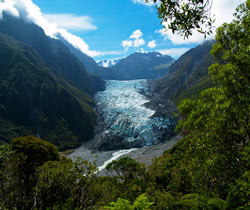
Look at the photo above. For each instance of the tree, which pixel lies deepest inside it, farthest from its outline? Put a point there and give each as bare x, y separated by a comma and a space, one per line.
19, 163
217, 125
65, 184
141, 203
184, 16
129, 176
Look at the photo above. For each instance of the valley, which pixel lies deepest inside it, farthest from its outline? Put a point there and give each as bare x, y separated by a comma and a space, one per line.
124, 122
104, 110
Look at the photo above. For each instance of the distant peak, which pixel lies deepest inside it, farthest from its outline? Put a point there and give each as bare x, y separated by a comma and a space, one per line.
107, 63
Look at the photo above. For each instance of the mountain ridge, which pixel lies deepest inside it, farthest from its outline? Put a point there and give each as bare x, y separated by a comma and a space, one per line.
40, 95
187, 76
142, 66
56, 55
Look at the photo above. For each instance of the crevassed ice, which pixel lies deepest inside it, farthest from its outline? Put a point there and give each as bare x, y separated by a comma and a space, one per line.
121, 105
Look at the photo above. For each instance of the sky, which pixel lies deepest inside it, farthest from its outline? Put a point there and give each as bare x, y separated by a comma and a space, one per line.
111, 29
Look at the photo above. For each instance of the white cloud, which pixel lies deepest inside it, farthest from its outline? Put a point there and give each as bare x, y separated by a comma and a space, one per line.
222, 11
139, 42
178, 39
30, 12
8, 6
127, 43
135, 40
77, 42
173, 52
71, 21
152, 44
137, 34
149, 3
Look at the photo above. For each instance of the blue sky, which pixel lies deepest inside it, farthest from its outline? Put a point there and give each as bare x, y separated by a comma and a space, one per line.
110, 29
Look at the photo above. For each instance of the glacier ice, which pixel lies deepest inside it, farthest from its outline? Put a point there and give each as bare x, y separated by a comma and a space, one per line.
122, 108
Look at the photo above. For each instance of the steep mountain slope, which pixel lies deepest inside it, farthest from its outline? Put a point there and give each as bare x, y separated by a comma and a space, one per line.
187, 76
142, 66
89, 63
33, 100
56, 55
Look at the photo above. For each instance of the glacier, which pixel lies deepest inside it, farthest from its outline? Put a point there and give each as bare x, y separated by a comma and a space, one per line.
125, 116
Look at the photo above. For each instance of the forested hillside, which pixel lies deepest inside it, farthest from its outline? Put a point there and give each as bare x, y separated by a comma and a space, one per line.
188, 76
53, 52
208, 169
35, 101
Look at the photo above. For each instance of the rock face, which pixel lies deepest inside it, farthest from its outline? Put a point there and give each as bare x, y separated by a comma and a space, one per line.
150, 65
124, 121
188, 76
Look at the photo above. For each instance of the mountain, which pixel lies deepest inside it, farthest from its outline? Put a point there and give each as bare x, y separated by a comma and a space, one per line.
108, 63
188, 76
89, 63
136, 66
150, 65
55, 54
35, 101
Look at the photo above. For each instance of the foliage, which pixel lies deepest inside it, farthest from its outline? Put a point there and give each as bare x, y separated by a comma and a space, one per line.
129, 176
216, 126
141, 203
18, 167
34, 101
62, 181
208, 169
126, 168
185, 16
238, 198
35, 150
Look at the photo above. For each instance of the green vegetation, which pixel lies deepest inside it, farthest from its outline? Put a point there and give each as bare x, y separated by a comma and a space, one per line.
188, 76
52, 52
208, 169
34, 101
185, 16
194, 91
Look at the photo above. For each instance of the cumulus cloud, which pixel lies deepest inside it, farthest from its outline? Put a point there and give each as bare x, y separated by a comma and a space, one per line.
135, 40
71, 21
152, 44
30, 12
8, 6
173, 52
150, 3
178, 39
222, 11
